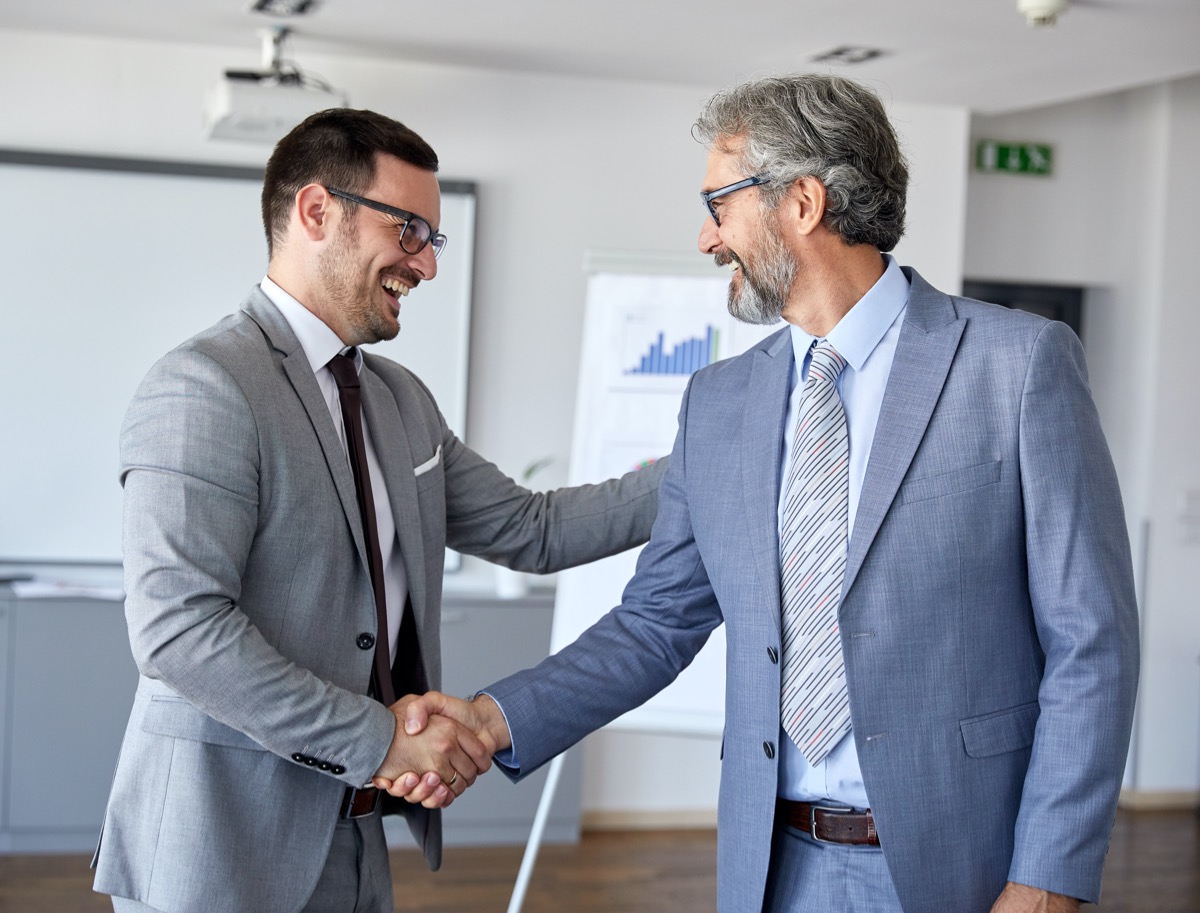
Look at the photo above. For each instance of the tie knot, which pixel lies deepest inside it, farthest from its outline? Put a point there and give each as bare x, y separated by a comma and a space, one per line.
343, 369
826, 363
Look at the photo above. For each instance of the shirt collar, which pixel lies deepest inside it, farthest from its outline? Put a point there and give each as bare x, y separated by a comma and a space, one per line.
319, 342
860, 330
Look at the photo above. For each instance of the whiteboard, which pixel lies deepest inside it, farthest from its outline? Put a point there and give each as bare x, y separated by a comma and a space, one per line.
107, 265
649, 324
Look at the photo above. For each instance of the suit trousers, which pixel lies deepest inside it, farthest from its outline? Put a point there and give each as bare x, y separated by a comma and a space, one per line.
356, 877
806, 876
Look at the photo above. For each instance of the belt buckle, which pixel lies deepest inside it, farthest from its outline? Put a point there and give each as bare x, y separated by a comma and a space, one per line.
812, 817
352, 794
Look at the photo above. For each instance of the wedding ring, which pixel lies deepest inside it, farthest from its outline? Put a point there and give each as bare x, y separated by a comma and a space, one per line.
453, 779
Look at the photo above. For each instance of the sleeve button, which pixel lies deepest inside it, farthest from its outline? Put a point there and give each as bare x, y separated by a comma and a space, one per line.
337, 770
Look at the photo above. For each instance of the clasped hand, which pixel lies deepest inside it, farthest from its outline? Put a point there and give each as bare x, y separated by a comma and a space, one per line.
441, 746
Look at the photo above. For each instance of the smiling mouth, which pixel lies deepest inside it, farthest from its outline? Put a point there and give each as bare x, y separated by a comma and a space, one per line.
395, 288
729, 259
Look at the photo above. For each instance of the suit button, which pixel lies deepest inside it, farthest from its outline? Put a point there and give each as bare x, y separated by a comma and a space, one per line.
365, 641
773, 654
769, 749
298, 758
337, 770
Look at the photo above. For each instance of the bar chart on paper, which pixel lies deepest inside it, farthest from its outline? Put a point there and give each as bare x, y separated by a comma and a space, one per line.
684, 357
644, 338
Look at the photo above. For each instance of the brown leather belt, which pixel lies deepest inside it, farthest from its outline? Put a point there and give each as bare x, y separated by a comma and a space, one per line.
358, 803
828, 823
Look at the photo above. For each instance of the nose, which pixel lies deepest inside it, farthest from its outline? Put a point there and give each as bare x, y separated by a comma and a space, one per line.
424, 263
709, 239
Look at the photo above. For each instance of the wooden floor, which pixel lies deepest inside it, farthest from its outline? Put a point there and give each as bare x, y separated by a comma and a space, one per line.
1153, 867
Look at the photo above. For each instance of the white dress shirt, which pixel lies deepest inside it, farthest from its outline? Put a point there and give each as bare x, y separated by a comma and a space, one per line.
866, 337
321, 344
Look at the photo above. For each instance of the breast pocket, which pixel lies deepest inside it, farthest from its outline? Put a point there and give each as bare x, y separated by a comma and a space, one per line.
950, 482
430, 473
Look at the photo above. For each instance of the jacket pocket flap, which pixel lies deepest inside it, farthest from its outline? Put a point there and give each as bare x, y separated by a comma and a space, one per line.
951, 482
997, 733
181, 720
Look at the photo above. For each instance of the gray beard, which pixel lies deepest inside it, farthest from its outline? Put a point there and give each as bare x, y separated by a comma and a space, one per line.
764, 288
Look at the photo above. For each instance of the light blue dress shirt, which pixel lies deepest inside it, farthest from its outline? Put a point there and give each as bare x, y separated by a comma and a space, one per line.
866, 337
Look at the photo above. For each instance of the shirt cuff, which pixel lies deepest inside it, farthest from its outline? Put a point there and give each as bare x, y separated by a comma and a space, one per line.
508, 756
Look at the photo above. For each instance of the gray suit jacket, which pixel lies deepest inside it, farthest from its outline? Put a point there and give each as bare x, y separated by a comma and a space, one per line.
247, 587
987, 618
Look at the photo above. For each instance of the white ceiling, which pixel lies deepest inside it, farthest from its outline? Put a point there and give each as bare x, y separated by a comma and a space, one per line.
980, 54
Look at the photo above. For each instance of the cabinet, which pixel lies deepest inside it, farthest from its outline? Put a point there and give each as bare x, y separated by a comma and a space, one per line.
68, 682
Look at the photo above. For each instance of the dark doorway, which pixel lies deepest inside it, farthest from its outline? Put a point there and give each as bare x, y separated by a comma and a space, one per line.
1057, 302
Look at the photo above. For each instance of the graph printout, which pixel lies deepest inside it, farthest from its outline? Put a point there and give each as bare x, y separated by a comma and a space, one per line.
644, 336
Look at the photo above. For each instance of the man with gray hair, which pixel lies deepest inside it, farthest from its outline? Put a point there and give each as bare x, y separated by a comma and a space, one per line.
904, 511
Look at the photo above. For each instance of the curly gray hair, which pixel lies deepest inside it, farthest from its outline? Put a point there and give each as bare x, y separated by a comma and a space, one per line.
827, 127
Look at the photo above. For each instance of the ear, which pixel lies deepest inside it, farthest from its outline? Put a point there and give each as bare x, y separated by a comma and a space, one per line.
804, 205
314, 212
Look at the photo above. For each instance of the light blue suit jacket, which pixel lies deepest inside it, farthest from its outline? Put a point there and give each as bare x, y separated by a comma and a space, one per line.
988, 617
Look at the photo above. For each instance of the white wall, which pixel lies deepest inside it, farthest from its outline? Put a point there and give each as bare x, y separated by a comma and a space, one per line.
1119, 217
563, 166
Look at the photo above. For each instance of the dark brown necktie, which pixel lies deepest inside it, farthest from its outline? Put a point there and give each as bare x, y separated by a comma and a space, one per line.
344, 372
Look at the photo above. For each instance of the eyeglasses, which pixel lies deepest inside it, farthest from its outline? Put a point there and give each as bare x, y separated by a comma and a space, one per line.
709, 195
417, 232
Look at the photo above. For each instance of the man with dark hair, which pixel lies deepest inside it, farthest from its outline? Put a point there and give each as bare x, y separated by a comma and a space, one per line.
903, 509
288, 503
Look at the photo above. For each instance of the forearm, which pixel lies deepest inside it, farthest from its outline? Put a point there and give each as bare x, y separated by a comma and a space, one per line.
489, 515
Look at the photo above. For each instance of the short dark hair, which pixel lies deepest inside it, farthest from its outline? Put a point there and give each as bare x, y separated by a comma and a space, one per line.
827, 127
336, 148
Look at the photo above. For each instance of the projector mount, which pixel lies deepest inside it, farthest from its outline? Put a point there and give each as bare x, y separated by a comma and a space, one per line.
276, 71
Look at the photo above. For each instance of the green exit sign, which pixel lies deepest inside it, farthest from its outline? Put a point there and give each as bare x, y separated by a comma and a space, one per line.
1014, 158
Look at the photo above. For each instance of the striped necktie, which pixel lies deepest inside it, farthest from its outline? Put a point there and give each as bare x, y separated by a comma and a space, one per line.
815, 708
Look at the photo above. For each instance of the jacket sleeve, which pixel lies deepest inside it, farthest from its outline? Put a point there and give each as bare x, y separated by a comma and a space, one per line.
491, 516
666, 615
1081, 588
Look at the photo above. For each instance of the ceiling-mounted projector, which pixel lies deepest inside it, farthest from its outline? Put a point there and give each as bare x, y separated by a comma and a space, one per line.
262, 111
260, 106
1039, 13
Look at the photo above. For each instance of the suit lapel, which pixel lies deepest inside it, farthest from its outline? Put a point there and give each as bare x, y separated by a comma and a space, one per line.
393, 448
928, 340
766, 408
300, 374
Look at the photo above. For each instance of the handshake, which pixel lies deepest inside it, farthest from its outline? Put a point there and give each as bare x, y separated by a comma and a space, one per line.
440, 746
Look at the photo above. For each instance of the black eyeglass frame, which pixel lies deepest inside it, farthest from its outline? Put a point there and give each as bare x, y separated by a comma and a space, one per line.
707, 196
412, 223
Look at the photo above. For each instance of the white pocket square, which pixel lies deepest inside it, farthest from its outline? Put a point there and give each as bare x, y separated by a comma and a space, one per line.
429, 463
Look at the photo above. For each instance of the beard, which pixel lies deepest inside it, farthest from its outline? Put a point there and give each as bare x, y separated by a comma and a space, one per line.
766, 281
354, 296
